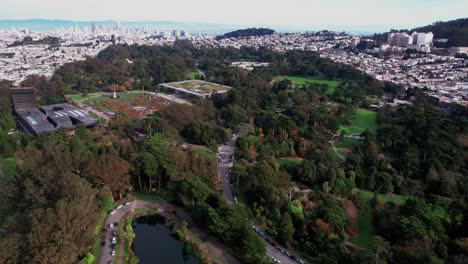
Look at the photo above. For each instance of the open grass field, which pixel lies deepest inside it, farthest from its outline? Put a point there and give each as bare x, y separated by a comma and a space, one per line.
8, 166
298, 81
363, 119
99, 97
333, 153
346, 142
365, 228
368, 195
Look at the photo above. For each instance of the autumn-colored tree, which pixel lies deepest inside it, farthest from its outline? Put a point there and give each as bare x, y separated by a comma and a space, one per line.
112, 172
252, 152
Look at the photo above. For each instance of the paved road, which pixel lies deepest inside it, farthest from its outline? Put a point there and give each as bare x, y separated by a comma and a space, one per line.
106, 256
225, 155
225, 160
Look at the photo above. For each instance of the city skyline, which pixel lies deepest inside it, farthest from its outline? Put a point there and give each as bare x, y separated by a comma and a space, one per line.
298, 14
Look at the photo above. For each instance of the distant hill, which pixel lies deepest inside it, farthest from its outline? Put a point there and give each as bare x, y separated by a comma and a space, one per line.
456, 31
52, 41
249, 32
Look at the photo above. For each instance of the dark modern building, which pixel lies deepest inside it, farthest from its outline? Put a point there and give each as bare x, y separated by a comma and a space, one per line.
49, 117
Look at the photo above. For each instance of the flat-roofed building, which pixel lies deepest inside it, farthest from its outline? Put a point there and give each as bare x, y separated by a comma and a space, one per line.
49, 118
34, 122
66, 115
196, 88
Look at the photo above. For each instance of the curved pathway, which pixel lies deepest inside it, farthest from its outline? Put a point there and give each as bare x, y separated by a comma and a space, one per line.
162, 207
332, 143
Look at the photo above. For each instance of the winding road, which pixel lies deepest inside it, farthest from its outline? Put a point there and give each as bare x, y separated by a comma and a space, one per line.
225, 160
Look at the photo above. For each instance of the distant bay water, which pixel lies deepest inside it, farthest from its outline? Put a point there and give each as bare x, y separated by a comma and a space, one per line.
43, 25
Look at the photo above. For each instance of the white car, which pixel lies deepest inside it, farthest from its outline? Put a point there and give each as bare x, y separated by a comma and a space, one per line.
114, 240
275, 260
118, 207
113, 253
128, 203
111, 225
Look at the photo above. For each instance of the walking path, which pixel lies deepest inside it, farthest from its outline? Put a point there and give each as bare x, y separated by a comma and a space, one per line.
332, 143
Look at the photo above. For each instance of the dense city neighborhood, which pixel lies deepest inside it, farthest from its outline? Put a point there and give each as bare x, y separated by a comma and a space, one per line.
439, 70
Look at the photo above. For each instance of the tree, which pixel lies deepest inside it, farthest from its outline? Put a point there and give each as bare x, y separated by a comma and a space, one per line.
10, 248
110, 171
295, 209
155, 158
194, 191
55, 210
285, 229
380, 251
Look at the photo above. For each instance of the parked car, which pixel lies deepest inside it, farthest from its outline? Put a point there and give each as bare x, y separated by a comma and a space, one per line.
118, 207
113, 253
113, 212
275, 260
128, 203
111, 225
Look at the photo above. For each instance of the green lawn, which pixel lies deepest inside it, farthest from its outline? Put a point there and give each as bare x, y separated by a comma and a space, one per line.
363, 119
347, 143
298, 81
8, 166
368, 195
97, 97
194, 75
333, 153
203, 150
366, 230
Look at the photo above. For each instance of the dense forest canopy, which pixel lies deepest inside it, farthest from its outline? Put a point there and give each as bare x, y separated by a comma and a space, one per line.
249, 32
408, 174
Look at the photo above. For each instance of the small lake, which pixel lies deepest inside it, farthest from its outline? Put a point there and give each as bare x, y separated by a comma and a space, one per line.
154, 243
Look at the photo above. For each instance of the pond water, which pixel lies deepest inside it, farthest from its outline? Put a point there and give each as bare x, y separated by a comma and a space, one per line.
154, 243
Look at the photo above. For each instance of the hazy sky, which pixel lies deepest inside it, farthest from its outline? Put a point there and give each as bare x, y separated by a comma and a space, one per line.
388, 13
